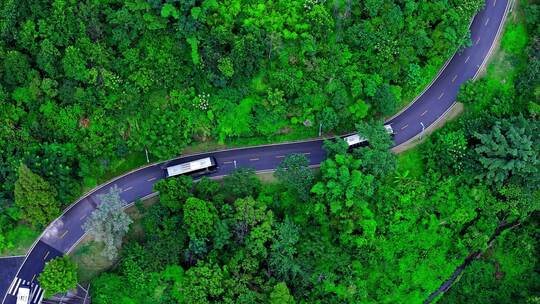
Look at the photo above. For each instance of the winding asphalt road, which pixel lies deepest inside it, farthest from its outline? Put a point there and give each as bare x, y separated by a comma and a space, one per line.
65, 232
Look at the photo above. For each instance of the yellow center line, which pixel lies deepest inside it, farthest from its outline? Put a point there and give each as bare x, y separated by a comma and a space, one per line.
33, 278
477, 40
280, 156
151, 179
46, 255
440, 96
64, 234
487, 21
454, 79
467, 59
404, 127
227, 162
424, 113
127, 189
253, 159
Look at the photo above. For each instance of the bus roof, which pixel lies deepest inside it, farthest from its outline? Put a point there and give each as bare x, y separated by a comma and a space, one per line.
189, 166
354, 139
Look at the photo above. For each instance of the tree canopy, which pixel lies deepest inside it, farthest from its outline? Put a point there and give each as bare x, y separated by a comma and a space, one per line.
59, 276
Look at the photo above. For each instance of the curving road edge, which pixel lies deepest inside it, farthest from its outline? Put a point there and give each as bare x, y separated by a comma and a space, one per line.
61, 236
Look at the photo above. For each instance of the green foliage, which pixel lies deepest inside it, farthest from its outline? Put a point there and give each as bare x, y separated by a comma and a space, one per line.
329, 119
174, 191
241, 183
509, 150
506, 274
295, 174
226, 67
384, 101
199, 217
515, 38
58, 276
445, 151
377, 159
86, 85
35, 197
343, 191
334, 147
207, 189
74, 64
283, 260
281, 295
109, 222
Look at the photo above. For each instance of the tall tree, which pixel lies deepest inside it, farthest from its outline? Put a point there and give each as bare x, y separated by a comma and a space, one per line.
510, 149
283, 251
35, 197
109, 222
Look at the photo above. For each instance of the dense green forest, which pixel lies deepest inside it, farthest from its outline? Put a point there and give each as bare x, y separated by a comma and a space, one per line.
85, 84
365, 229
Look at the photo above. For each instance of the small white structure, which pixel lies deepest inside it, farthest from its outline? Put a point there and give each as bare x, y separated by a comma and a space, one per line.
23, 295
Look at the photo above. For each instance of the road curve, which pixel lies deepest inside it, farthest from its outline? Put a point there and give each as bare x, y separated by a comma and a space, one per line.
66, 231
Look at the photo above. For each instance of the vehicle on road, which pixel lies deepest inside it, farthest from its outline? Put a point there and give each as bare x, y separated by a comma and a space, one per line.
23, 295
389, 130
355, 140
198, 166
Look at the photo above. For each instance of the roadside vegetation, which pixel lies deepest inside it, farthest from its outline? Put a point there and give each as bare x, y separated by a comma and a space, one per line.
86, 87
368, 227
372, 228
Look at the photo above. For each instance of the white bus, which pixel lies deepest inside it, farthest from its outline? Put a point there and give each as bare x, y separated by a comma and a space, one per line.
23, 295
207, 164
355, 140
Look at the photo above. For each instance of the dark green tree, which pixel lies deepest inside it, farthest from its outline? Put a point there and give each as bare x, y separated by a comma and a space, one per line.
174, 191
509, 150
241, 183
199, 217
295, 175
283, 252
35, 197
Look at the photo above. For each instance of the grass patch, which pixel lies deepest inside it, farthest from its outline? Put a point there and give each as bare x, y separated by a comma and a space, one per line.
515, 38
294, 135
411, 161
87, 256
20, 239
506, 61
